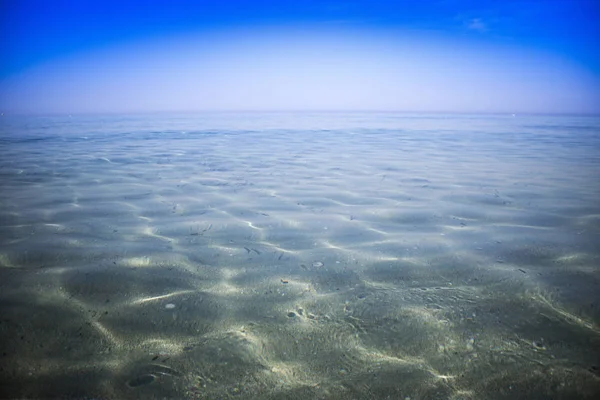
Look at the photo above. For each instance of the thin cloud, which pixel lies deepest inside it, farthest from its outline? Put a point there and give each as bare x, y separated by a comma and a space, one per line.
477, 24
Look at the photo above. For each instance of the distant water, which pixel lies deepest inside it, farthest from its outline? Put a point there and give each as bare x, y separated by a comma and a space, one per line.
300, 256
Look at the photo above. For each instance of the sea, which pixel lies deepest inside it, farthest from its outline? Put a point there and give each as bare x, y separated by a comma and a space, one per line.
300, 256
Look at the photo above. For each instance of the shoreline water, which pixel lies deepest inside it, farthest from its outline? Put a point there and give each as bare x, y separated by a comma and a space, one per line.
329, 256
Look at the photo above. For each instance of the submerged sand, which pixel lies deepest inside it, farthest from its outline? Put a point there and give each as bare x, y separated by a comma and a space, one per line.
339, 256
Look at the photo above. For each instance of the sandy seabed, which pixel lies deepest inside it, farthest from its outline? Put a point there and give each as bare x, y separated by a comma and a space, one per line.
305, 256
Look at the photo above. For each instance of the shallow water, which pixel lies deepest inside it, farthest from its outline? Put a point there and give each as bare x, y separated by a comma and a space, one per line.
300, 256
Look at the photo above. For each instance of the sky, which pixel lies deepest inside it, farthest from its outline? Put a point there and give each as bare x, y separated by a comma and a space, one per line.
521, 56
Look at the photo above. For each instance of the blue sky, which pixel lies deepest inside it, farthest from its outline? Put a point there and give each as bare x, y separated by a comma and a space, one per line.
446, 55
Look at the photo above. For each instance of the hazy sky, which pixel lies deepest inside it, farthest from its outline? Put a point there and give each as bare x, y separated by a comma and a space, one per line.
422, 55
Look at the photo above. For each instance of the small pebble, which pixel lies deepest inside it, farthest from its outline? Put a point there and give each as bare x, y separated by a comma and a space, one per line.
539, 345
317, 264
170, 306
291, 314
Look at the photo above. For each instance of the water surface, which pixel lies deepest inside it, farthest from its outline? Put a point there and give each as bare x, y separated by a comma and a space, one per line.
300, 256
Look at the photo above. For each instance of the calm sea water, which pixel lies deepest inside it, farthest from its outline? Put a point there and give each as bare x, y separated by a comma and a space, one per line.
300, 256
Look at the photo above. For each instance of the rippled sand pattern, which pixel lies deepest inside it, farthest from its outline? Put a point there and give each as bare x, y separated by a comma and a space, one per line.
371, 256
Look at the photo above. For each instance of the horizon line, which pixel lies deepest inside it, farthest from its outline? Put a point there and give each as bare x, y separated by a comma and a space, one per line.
294, 111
